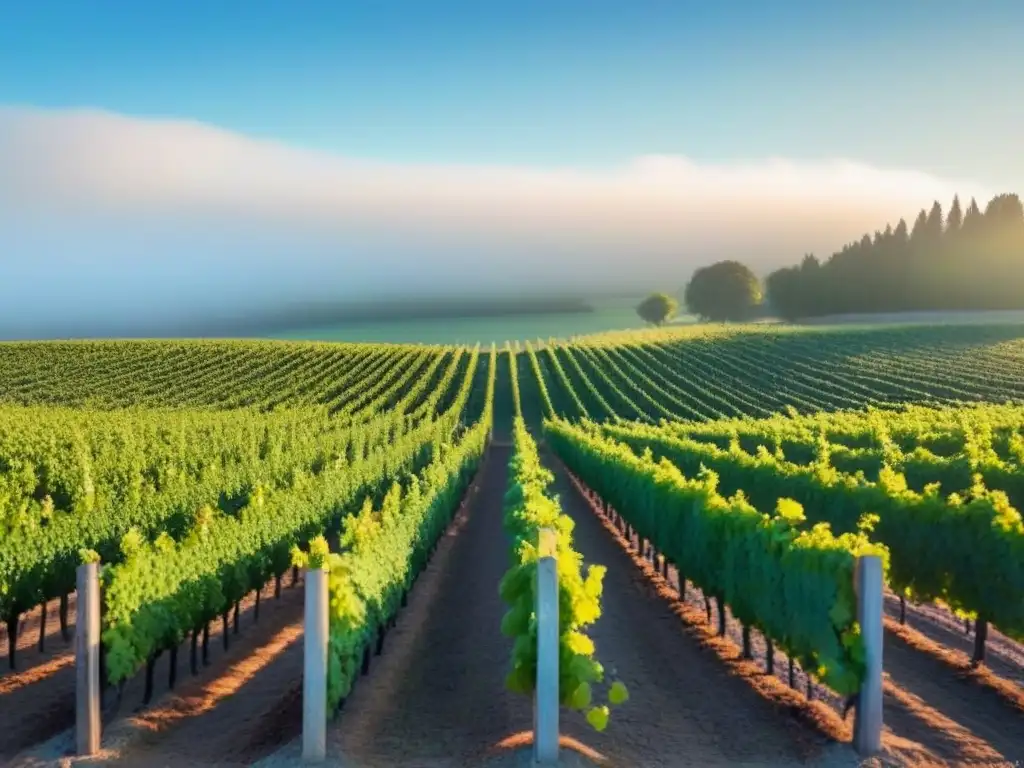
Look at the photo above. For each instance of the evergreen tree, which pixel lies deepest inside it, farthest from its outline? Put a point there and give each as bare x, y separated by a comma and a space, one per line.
973, 220
917, 234
966, 260
934, 224
955, 218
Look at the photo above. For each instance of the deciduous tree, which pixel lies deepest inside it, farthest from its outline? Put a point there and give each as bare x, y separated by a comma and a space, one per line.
657, 308
724, 291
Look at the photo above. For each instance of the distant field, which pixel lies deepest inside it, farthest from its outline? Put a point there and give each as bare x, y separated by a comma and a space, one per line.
607, 316
929, 318
682, 372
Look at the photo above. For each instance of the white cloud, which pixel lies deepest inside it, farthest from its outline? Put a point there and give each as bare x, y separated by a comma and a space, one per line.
125, 215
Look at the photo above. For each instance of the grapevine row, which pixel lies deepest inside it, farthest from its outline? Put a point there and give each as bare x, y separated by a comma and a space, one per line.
160, 592
966, 551
794, 585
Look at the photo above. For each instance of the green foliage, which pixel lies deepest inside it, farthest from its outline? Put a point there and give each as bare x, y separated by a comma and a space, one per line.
966, 549
89, 556
513, 372
726, 290
572, 399
84, 478
162, 590
545, 396
794, 585
159, 591
528, 509
657, 308
178, 437
948, 446
317, 558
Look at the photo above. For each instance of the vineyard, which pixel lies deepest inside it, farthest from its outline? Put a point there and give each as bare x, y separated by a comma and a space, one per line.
711, 492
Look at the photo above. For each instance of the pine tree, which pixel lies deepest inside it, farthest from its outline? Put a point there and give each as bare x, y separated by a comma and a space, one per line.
972, 218
810, 262
920, 227
955, 218
900, 233
933, 226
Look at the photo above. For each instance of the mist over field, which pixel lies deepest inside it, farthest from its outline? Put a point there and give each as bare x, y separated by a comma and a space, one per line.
112, 225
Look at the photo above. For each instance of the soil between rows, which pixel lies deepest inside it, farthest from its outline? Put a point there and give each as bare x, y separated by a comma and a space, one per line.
436, 695
207, 719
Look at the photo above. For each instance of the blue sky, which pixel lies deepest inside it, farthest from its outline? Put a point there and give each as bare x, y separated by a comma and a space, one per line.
163, 156
916, 83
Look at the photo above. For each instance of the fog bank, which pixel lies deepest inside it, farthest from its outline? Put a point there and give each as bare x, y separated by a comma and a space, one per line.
112, 224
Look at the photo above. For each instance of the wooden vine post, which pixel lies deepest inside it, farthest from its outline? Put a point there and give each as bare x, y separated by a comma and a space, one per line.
87, 660
545, 703
314, 666
867, 724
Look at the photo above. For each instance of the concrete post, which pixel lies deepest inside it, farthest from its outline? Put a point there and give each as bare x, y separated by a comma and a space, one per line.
87, 660
545, 728
314, 667
867, 725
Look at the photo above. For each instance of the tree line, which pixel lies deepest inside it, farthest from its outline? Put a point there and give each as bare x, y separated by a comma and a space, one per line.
965, 259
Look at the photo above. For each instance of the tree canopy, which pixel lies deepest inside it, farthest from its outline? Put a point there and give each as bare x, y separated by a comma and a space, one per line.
968, 260
724, 291
657, 308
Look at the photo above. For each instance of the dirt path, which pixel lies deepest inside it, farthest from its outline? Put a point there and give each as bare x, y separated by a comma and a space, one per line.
27, 653
1004, 657
932, 714
33, 696
37, 702
436, 696
219, 717
685, 708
